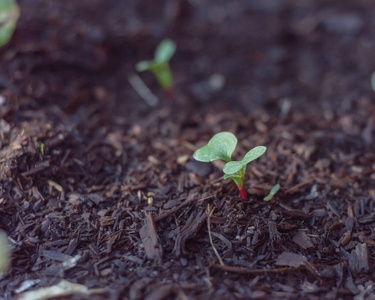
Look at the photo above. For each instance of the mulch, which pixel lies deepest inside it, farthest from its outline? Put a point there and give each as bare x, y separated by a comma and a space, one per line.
100, 189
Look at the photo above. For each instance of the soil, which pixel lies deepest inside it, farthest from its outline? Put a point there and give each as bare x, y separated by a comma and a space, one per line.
99, 188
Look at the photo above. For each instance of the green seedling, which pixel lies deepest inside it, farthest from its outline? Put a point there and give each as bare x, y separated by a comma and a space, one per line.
41, 149
5, 254
160, 66
272, 193
9, 13
373, 81
221, 147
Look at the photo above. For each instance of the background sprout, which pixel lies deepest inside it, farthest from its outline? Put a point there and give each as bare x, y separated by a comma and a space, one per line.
160, 65
373, 81
9, 13
221, 147
5, 254
272, 193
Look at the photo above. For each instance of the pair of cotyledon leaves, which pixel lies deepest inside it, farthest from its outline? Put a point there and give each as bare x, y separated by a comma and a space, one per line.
221, 147
163, 54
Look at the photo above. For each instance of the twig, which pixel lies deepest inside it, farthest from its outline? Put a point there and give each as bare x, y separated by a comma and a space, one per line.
209, 214
142, 90
246, 270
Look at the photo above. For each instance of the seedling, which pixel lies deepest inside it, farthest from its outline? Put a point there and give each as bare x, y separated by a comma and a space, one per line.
272, 193
373, 81
5, 254
160, 66
221, 147
9, 13
41, 149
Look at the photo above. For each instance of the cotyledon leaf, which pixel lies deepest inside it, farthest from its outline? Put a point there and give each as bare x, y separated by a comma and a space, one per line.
143, 65
221, 146
9, 13
165, 51
234, 166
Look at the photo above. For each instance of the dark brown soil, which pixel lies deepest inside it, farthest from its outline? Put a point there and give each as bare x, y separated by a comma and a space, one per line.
117, 187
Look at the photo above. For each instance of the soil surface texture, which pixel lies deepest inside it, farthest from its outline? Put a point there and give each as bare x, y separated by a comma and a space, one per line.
98, 186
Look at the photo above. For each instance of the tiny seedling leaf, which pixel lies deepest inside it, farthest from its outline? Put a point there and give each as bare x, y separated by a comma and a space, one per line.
272, 192
237, 178
165, 51
5, 253
373, 81
9, 13
144, 65
221, 146
234, 166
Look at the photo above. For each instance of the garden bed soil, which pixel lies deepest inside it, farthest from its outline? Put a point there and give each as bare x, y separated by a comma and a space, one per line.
100, 189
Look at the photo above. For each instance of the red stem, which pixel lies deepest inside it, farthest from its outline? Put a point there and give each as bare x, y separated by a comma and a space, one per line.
169, 94
243, 193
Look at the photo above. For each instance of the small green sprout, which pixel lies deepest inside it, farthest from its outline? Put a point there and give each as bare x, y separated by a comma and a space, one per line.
9, 13
272, 193
160, 65
221, 147
373, 81
5, 254
41, 149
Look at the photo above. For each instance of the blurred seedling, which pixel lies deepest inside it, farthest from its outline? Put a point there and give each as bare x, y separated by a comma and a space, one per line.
160, 66
9, 13
41, 149
272, 193
5, 254
373, 81
221, 147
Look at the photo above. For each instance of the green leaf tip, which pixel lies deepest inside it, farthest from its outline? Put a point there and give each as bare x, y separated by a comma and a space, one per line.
272, 193
234, 166
220, 147
5, 254
165, 51
373, 81
9, 13
143, 65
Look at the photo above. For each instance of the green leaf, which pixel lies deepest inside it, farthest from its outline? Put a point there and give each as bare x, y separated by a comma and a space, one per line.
234, 166
9, 13
144, 65
272, 192
165, 51
373, 81
221, 146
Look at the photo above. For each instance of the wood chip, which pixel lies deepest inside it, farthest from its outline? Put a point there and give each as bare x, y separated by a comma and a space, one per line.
189, 230
150, 238
359, 259
303, 240
295, 260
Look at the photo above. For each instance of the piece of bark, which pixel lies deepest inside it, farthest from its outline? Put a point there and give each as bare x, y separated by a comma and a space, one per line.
189, 230
303, 240
359, 259
162, 292
295, 260
150, 238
